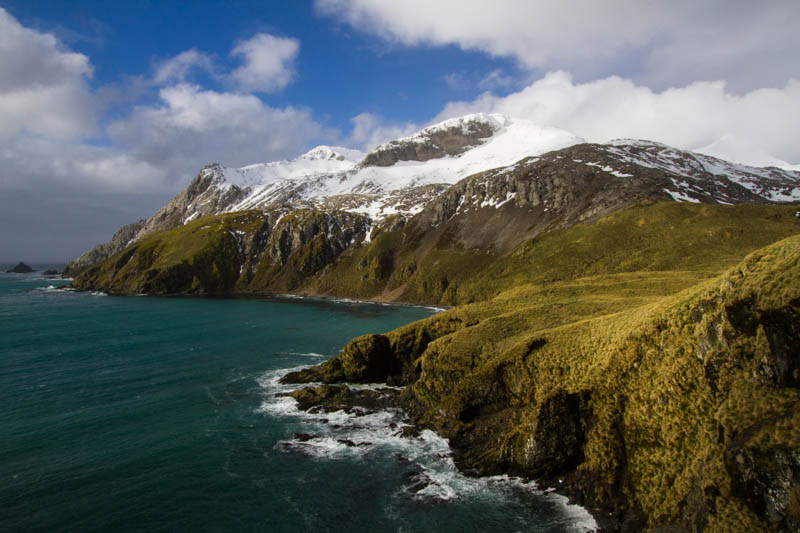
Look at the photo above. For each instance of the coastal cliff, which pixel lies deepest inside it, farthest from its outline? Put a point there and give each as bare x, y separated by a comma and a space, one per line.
678, 412
626, 315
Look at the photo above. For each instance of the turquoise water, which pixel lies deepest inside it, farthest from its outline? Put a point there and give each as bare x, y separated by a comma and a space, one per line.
159, 414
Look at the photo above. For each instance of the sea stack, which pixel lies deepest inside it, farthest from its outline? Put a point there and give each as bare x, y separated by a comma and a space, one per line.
21, 268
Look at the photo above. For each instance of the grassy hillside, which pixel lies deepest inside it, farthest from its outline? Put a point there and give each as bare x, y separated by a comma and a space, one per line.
310, 252
204, 256
404, 265
628, 359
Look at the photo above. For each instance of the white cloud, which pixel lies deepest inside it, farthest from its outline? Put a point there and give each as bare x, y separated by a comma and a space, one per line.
268, 62
176, 69
688, 117
494, 80
41, 164
192, 126
370, 130
43, 88
456, 81
74, 182
662, 44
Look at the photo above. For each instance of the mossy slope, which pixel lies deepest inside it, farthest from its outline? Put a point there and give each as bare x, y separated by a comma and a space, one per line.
202, 257
667, 396
320, 253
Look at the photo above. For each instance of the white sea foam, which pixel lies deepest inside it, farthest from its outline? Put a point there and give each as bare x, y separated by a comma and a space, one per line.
49, 288
434, 476
303, 354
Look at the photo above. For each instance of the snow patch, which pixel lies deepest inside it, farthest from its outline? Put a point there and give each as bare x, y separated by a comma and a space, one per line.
681, 197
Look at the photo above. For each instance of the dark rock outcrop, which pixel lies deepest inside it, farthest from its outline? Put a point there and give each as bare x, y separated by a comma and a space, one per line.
431, 144
21, 268
331, 398
365, 359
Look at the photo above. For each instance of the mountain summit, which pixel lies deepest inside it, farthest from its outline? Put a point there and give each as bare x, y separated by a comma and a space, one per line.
473, 162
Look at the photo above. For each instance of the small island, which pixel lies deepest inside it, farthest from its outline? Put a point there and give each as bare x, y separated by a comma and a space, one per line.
21, 268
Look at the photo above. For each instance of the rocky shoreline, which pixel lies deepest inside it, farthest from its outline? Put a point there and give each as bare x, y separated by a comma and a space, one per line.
682, 415
317, 398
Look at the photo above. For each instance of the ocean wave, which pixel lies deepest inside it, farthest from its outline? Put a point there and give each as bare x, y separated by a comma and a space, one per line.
433, 475
49, 288
301, 354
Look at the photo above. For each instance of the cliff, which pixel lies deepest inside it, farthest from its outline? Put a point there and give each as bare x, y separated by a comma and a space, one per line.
668, 400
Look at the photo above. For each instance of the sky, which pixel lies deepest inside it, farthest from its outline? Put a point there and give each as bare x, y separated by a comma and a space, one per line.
108, 109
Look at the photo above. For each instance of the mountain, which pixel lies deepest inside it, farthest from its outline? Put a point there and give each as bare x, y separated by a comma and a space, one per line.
399, 177
462, 165
626, 314
480, 185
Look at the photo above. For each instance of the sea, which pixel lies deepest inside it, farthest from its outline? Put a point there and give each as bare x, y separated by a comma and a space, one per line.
160, 414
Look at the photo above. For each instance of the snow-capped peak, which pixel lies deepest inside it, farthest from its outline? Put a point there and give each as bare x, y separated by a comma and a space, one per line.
324, 152
466, 125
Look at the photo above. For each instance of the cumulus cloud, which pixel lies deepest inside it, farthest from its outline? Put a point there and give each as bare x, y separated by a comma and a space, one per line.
689, 117
268, 62
179, 67
43, 88
74, 180
494, 80
370, 130
191, 125
662, 44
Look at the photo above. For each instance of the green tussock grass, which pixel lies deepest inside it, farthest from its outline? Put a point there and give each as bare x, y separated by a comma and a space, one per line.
656, 237
666, 367
200, 257
633, 314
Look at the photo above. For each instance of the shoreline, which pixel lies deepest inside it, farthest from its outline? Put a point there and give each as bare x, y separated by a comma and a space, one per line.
270, 296
355, 401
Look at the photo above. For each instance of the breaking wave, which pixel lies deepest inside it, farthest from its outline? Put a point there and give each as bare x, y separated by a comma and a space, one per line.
431, 475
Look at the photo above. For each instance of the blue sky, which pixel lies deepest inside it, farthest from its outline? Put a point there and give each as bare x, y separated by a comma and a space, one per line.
339, 72
107, 109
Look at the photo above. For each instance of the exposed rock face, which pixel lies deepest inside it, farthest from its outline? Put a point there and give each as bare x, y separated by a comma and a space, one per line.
241, 250
448, 140
768, 481
21, 268
503, 207
204, 195
122, 238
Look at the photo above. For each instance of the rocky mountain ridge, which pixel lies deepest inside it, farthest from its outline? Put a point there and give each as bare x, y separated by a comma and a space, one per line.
461, 165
